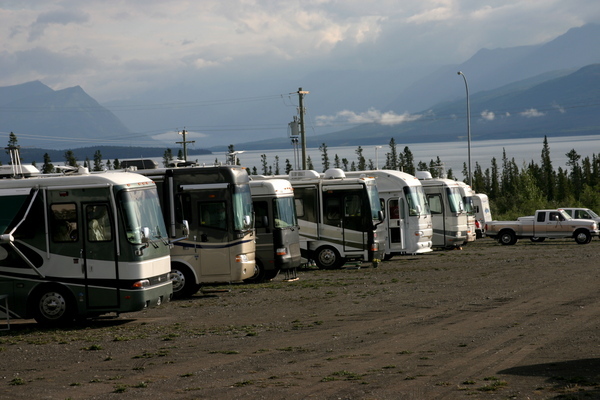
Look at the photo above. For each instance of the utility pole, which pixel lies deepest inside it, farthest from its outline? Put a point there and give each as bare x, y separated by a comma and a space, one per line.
301, 94
183, 132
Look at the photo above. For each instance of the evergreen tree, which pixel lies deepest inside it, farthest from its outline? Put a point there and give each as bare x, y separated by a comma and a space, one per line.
264, 164
345, 164
392, 157
548, 176
337, 162
117, 164
70, 159
324, 157
47, 167
13, 143
288, 166
408, 161
167, 157
361, 159
108, 165
309, 163
276, 165
98, 165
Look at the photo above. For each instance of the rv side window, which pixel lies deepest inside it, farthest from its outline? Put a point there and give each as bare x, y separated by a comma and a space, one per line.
299, 208
332, 209
306, 203
98, 223
353, 205
435, 203
64, 222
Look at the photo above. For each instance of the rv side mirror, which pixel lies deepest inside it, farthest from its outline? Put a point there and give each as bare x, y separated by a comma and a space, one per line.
247, 221
265, 221
145, 234
185, 228
419, 209
380, 215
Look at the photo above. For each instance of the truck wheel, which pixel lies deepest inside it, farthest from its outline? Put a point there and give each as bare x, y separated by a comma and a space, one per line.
536, 239
184, 282
54, 307
507, 238
328, 258
582, 237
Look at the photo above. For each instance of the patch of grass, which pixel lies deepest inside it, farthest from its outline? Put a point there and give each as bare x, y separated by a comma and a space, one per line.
75, 384
120, 389
243, 383
17, 382
224, 352
495, 385
141, 385
93, 347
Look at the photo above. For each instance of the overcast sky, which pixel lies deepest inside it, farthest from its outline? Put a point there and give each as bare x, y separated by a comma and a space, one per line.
114, 48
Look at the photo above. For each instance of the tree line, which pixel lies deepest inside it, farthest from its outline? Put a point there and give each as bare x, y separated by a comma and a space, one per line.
513, 190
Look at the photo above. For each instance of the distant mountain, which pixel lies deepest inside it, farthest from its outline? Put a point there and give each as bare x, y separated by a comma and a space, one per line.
552, 104
490, 69
68, 118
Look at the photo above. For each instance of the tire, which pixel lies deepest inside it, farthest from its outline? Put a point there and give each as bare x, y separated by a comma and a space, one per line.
327, 257
507, 238
259, 274
184, 282
54, 306
582, 236
536, 239
387, 257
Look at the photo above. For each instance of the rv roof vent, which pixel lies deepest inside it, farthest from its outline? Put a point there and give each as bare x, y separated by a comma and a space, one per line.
423, 175
334, 173
304, 174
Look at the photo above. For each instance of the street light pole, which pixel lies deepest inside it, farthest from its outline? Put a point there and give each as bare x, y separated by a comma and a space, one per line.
377, 156
468, 128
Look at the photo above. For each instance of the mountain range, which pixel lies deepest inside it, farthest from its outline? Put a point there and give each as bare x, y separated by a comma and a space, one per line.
527, 91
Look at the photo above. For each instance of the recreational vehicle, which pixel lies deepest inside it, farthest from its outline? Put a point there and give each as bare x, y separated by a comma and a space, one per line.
277, 230
483, 215
81, 245
340, 217
216, 202
467, 197
448, 212
407, 216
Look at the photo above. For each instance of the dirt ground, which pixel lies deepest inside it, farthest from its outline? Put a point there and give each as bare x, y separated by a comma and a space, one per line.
485, 322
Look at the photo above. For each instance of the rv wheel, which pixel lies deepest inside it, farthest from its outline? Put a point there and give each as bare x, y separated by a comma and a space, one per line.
259, 274
53, 306
328, 258
184, 282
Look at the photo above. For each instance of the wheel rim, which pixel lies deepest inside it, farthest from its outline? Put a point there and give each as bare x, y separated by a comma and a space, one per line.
327, 257
506, 238
53, 305
581, 237
178, 279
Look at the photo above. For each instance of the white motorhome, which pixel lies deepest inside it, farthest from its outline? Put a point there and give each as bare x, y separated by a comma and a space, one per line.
467, 196
81, 245
407, 217
448, 214
483, 215
277, 230
340, 217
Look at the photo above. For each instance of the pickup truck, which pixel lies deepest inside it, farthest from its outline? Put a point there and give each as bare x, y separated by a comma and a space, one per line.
544, 224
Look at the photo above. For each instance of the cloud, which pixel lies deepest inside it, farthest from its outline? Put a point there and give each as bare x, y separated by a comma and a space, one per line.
532, 113
60, 17
560, 108
371, 116
172, 136
488, 115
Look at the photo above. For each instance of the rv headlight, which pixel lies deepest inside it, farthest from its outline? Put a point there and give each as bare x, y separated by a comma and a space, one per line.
241, 258
419, 233
282, 251
375, 246
141, 284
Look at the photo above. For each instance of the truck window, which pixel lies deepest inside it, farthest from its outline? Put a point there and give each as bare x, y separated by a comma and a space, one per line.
541, 217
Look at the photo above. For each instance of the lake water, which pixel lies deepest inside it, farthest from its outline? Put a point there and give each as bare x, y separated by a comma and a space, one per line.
452, 154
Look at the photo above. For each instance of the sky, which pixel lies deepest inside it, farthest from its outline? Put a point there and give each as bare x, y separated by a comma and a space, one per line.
117, 50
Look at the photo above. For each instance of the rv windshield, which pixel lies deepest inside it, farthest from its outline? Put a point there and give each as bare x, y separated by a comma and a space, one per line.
284, 210
455, 200
374, 202
415, 196
469, 207
142, 214
242, 207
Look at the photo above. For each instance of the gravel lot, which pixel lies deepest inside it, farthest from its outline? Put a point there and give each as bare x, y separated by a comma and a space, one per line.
485, 322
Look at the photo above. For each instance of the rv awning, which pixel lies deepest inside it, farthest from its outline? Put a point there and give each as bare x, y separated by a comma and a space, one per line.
11, 201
